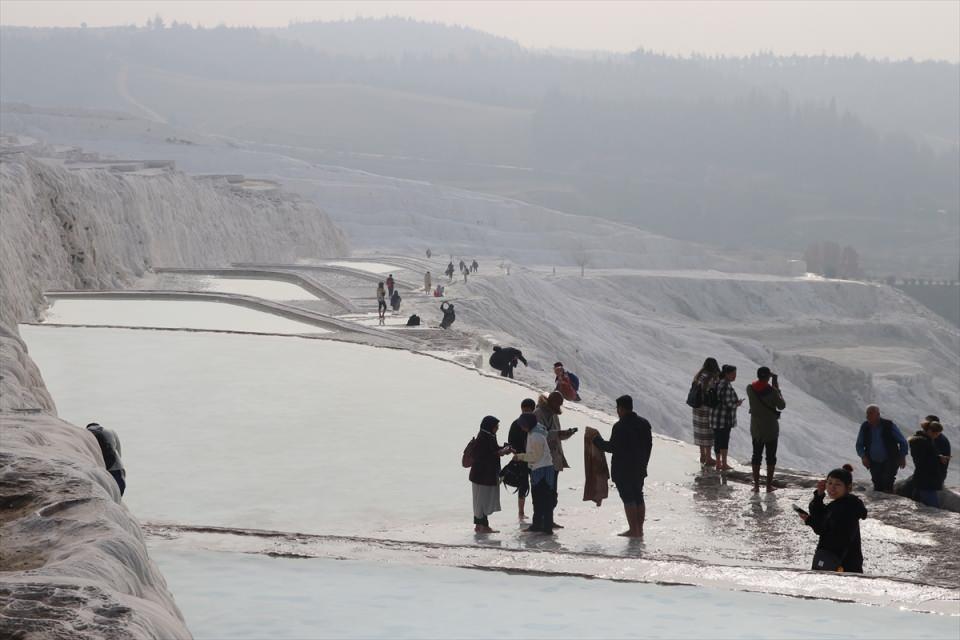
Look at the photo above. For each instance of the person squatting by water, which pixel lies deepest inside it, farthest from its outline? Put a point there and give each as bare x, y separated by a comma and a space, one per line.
109, 443
882, 449
504, 360
723, 417
485, 474
381, 303
707, 377
631, 441
543, 475
766, 403
837, 523
517, 438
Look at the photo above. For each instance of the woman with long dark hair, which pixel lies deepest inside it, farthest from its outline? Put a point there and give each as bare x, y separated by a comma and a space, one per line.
708, 376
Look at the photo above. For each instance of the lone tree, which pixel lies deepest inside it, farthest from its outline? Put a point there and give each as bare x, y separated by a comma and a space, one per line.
581, 256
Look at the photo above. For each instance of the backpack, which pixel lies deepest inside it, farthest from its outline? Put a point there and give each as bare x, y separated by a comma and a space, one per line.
413, 321
695, 395
710, 397
467, 459
109, 454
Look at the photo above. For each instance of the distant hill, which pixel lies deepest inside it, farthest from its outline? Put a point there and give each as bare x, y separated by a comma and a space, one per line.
393, 37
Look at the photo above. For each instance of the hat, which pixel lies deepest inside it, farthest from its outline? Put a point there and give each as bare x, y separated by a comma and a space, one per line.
488, 423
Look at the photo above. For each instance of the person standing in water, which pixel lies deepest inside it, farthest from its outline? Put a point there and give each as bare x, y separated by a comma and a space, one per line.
706, 378
381, 303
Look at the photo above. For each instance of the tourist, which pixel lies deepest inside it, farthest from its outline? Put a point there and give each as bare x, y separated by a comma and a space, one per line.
517, 438
837, 523
631, 442
395, 300
723, 417
941, 443
548, 414
543, 476
706, 378
485, 474
566, 382
390, 285
927, 474
109, 443
882, 448
381, 302
426, 282
449, 316
766, 403
505, 359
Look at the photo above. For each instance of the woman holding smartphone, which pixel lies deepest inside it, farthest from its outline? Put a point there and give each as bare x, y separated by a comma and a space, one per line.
837, 523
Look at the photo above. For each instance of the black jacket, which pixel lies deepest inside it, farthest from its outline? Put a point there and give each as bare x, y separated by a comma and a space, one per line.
631, 441
838, 525
503, 356
927, 476
486, 459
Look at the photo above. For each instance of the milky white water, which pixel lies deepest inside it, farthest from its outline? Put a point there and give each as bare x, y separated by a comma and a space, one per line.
172, 314
226, 595
371, 267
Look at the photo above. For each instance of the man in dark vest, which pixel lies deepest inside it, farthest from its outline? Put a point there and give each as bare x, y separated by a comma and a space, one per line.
882, 448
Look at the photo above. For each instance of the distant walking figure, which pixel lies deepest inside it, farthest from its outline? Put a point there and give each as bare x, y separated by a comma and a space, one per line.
448, 315
381, 302
706, 379
475, 266
723, 417
449, 271
429, 254
426, 282
390, 285
882, 448
110, 448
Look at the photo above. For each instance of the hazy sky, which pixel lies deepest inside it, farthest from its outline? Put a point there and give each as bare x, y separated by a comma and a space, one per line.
894, 29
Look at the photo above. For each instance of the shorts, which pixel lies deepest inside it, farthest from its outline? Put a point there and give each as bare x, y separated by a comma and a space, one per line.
631, 492
758, 453
721, 439
381, 305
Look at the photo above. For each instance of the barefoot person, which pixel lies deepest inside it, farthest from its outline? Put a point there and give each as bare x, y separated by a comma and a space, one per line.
766, 403
381, 302
837, 523
485, 474
723, 417
518, 442
706, 378
631, 441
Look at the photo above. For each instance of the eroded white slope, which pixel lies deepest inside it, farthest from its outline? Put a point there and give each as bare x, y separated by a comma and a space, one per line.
646, 334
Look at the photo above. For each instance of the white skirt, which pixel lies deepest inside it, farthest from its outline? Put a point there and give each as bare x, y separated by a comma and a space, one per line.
486, 499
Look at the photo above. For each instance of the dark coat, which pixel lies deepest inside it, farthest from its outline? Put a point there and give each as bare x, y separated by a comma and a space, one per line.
838, 525
766, 403
927, 475
486, 459
631, 442
502, 357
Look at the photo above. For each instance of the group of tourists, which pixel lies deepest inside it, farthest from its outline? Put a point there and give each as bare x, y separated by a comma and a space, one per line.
387, 291
464, 268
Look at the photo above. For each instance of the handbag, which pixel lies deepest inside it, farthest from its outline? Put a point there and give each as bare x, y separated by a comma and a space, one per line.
695, 395
824, 560
512, 475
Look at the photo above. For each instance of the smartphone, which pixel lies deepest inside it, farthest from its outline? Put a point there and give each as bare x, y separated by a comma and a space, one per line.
800, 511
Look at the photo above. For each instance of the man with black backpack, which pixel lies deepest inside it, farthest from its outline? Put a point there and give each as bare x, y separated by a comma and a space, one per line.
110, 448
882, 448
